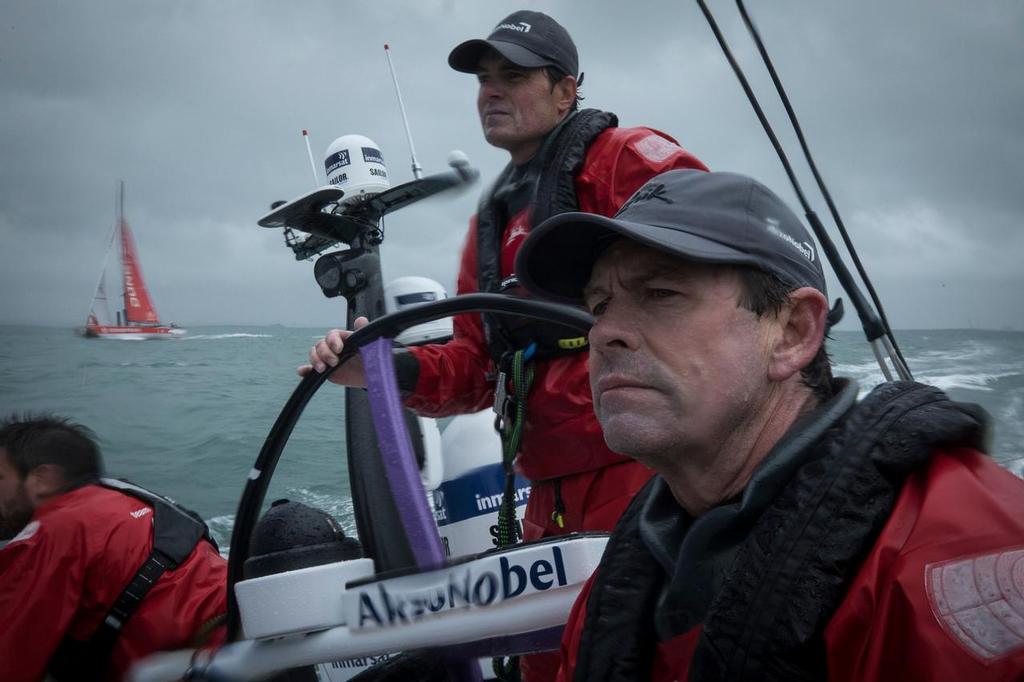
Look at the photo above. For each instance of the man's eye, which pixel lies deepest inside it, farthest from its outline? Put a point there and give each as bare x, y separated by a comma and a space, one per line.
598, 308
662, 293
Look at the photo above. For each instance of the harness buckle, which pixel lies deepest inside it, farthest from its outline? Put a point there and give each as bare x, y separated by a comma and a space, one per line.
502, 402
500, 394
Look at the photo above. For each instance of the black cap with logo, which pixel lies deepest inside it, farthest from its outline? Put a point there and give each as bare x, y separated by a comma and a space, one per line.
707, 217
525, 38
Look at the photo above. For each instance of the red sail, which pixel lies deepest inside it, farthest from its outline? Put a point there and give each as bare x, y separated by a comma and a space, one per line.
138, 306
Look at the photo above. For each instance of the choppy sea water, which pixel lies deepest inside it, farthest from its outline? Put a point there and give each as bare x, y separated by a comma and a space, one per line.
187, 416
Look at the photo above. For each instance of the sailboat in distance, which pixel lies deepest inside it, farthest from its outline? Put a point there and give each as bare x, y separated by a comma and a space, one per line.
137, 319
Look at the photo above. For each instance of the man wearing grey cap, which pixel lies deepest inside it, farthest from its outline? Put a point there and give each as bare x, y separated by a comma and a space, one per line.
561, 159
792, 532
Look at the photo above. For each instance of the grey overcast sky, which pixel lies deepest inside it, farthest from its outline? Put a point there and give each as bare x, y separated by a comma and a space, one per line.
915, 110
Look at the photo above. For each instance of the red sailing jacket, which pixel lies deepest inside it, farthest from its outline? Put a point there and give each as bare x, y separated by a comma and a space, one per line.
562, 435
66, 568
939, 597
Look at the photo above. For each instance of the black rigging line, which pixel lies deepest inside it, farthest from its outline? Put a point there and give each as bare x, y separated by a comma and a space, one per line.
873, 326
817, 176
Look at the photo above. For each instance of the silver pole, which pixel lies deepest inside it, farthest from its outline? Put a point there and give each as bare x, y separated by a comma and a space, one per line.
417, 170
881, 361
901, 368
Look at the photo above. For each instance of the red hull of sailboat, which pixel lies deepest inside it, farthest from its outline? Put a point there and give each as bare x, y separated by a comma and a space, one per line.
133, 333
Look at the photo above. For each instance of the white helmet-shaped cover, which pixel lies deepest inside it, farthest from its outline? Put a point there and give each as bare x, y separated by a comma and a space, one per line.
354, 164
405, 292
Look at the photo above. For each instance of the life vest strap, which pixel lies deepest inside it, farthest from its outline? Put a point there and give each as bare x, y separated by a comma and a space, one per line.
176, 532
139, 586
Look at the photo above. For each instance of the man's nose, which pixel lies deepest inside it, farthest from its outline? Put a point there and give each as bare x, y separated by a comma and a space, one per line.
490, 89
616, 328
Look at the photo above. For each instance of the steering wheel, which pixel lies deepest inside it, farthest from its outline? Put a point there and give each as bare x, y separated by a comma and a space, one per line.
377, 333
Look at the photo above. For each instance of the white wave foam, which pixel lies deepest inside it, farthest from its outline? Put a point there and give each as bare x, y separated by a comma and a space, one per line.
855, 368
235, 335
220, 529
869, 375
340, 508
866, 374
975, 382
968, 351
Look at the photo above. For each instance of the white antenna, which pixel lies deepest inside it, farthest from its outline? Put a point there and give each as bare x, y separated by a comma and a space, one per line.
417, 170
312, 165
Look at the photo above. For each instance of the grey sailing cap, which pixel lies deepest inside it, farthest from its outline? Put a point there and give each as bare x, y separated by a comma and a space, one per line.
525, 38
706, 217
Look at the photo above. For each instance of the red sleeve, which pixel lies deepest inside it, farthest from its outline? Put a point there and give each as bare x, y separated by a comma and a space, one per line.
572, 633
621, 160
40, 588
941, 594
453, 376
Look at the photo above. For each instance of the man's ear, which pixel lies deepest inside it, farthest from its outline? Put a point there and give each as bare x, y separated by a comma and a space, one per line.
802, 331
44, 481
566, 89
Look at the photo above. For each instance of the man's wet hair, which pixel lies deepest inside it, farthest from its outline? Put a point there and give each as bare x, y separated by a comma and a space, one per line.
764, 293
555, 76
34, 440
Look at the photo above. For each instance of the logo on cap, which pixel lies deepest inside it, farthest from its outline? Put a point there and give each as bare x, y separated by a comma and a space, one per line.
806, 250
521, 27
652, 190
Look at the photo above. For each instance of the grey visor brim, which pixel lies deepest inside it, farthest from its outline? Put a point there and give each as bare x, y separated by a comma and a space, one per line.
556, 260
466, 56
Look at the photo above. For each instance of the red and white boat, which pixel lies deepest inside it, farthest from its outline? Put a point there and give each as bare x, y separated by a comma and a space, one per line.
137, 319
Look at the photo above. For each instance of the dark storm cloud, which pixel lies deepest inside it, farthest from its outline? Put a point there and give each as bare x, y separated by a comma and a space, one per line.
912, 110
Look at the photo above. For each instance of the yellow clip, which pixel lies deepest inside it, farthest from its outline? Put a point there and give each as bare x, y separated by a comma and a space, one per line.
572, 344
557, 517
